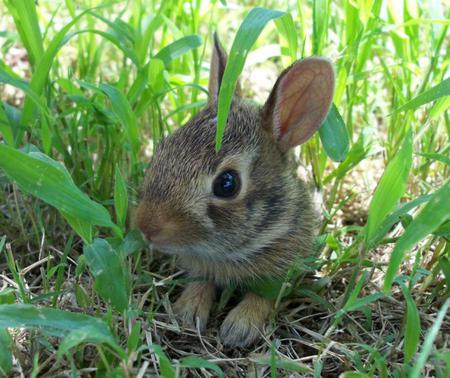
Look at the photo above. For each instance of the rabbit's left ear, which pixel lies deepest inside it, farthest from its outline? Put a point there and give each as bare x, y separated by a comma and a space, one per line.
218, 62
299, 101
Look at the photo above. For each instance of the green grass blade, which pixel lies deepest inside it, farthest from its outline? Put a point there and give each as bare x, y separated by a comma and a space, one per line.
120, 198
432, 94
27, 24
435, 212
5, 352
246, 36
391, 187
122, 109
6, 129
320, 24
334, 136
7, 78
412, 327
48, 180
42, 70
107, 266
428, 342
195, 362
165, 366
178, 48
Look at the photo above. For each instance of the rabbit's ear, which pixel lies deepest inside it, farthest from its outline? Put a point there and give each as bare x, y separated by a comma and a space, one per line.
299, 101
216, 70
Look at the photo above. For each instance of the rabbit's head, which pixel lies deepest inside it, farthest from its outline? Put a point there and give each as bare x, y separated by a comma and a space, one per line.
229, 205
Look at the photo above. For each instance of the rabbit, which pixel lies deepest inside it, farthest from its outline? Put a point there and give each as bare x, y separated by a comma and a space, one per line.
239, 214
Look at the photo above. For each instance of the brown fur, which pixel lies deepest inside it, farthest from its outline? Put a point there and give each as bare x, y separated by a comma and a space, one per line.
260, 233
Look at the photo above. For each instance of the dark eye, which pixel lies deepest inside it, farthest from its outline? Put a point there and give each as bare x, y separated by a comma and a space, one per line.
227, 184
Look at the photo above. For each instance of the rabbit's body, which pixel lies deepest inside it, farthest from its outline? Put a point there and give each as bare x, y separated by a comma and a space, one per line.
239, 214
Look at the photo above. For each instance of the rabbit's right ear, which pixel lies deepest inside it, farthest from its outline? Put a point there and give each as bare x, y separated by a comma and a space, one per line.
218, 63
299, 101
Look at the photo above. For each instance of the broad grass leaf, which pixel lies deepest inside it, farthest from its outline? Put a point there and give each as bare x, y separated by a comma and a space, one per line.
246, 36
165, 366
432, 94
434, 213
6, 129
390, 188
334, 136
412, 327
27, 24
56, 322
427, 345
112, 281
120, 198
5, 352
195, 362
178, 48
37, 174
81, 227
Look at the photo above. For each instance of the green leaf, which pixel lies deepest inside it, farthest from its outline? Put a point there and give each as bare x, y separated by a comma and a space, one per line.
37, 174
246, 36
395, 217
7, 295
56, 323
412, 327
40, 74
434, 213
429, 340
120, 198
283, 363
178, 48
27, 24
122, 109
334, 136
390, 188
432, 94
435, 156
112, 281
194, 362
165, 366
5, 352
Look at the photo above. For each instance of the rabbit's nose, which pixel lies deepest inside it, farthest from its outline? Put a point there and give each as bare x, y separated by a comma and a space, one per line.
155, 225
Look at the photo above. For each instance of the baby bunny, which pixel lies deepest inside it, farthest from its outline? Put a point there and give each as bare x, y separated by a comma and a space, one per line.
240, 214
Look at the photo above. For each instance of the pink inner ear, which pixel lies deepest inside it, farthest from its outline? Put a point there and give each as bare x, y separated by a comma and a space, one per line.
303, 98
294, 91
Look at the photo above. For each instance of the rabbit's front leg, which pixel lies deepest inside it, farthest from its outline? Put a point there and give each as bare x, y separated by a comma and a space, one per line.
195, 302
243, 324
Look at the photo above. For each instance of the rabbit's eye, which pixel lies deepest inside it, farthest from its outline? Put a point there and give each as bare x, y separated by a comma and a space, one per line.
227, 184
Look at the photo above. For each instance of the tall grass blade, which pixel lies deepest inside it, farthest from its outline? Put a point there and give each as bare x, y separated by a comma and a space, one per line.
428, 342
435, 212
390, 188
412, 327
178, 48
27, 24
246, 36
432, 94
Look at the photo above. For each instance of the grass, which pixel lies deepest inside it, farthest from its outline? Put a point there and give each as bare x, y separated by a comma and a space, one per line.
89, 89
